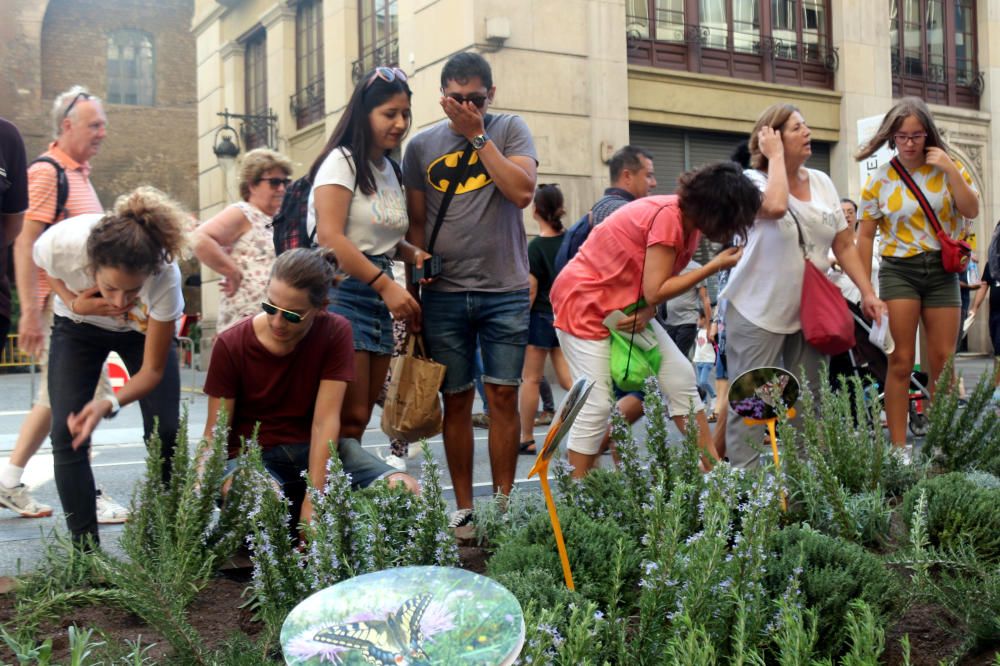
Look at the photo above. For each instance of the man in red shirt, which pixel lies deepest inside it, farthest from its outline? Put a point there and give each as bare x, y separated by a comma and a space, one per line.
287, 369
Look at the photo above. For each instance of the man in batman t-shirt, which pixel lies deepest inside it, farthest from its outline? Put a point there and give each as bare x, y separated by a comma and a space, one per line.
482, 290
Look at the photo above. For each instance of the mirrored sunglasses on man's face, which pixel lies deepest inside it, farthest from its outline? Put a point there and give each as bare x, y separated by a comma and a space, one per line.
289, 316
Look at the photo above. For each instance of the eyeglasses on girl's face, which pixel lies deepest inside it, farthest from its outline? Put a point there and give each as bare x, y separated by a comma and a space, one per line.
902, 139
289, 316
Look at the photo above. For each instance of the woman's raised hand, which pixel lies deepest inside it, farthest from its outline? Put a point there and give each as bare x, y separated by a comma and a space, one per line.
770, 144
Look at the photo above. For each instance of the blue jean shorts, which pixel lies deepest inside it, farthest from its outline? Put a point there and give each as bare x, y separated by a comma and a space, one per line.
453, 321
541, 332
361, 305
287, 462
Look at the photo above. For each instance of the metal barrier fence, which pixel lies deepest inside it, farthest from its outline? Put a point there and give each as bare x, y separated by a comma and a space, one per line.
13, 357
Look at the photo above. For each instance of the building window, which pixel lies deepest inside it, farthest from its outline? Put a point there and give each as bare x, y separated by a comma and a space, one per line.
378, 35
308, 103
934, 51
130, 68
780, 41
255, 135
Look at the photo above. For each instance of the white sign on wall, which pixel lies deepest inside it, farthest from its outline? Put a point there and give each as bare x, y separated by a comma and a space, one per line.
867, 127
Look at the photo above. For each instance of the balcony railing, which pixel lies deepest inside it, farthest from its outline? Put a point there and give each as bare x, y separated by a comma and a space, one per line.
383, 55
936, 82
741, 54
308, 105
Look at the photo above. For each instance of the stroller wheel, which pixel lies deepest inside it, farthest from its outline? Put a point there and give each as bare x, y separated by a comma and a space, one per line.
918, 421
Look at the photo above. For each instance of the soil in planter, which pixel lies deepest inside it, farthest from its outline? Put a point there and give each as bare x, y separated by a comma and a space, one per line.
215, 614
933, 639
473, 558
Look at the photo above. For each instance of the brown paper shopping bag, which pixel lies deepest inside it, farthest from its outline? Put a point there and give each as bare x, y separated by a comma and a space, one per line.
412, 408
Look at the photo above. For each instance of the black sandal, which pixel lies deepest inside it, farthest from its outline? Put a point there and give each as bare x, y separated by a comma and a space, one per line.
524, 449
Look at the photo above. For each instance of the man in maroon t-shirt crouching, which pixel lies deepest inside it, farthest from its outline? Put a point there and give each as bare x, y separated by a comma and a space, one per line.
287, 368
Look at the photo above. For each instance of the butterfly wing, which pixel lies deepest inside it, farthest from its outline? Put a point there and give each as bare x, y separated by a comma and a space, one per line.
409, 617
371, 638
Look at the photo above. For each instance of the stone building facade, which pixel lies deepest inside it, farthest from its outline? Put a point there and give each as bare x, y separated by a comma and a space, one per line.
139, 58
686, 78
49, 46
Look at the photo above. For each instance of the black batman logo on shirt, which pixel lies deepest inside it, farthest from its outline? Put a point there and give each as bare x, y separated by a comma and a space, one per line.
443, 169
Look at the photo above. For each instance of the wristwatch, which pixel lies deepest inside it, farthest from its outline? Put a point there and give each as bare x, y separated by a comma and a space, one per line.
115, 406
479, 141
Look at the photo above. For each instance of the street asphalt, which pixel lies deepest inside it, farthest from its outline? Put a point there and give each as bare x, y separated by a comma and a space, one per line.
119, 455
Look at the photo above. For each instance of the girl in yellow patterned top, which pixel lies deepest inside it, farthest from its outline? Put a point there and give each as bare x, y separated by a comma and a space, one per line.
912, 280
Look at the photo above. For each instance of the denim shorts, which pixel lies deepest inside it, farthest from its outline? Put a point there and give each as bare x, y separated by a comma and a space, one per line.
920, 278
361, 305
287, 462
541, 332
453, 321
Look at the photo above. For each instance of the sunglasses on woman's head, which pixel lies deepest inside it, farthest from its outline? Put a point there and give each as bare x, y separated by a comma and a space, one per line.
387, 74
287, 315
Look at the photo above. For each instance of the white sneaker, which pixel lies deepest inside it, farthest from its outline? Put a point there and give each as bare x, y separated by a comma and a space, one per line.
395, 462
109, 512
20, 500
905, 453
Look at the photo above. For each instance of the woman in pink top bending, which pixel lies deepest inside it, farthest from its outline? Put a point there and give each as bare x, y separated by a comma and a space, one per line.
639, 252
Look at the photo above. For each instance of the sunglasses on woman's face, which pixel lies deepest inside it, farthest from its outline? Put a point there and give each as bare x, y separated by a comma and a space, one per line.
287, 315
387, 74
276, 182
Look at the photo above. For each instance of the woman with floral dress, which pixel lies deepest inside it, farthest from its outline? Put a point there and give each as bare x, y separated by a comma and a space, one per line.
238, 243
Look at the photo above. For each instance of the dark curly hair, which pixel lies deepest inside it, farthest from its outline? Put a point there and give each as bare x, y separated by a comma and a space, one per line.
143, 233
719, 199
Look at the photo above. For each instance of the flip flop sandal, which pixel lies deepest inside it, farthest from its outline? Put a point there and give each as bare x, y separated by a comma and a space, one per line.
527, 448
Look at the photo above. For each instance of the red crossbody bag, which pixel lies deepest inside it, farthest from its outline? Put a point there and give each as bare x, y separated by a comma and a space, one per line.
955, 254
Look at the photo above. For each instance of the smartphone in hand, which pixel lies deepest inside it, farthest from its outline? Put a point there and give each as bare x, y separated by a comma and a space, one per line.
430, 270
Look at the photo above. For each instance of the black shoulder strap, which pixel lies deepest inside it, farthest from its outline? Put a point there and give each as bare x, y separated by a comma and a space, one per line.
460, 171
918, 194
62, 185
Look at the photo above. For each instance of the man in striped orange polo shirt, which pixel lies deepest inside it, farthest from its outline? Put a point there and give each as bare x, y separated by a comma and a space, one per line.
79, 127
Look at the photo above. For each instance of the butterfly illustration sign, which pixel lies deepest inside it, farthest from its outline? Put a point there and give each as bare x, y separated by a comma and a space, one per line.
756, 393
758, 396
561, 425
407, 616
